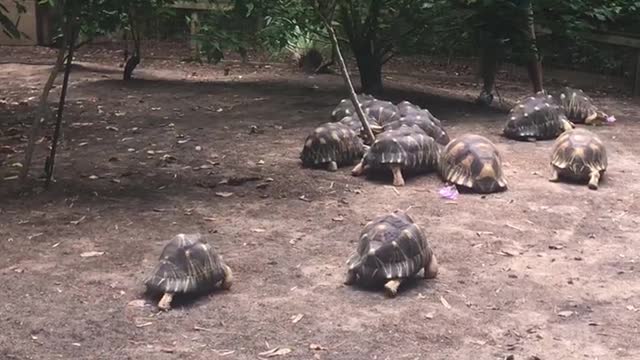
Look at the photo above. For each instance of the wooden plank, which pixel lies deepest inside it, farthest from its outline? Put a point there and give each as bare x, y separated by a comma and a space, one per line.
614, 40
201, 5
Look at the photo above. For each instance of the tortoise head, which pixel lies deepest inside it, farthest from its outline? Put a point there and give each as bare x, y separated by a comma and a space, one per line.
597, 118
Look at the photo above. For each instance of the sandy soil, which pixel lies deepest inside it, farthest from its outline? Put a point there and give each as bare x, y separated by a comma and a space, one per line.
542, 271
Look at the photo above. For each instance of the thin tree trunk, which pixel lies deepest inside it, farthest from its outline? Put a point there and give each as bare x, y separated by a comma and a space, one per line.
43, 114
347, 80
135, 59
370, 69
63, 94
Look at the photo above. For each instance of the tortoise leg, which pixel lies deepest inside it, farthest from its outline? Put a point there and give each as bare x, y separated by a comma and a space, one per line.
431, 270
332, 166
358, 169
554, 175
594, 180
228, 278
391, 287
398, 180
350, 278
165, 302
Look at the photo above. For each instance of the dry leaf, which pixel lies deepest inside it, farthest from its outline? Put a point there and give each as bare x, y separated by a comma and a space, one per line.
112, 128
316, 347
556, 247
565, 313
258, 230
224, 194
429, 315
338, 218
295, 319
506, 252
76, 222
93, 177
91, 254
445, 302
278, 351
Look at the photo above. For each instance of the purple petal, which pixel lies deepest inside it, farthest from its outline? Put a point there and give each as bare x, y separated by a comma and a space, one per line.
611, 119
449, 192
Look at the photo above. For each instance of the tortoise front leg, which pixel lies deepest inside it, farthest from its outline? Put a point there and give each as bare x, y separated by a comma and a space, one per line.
165, 302
228, 278
594, 180
431, 269
350, 278
358, 169
332, 166
391, 287
398, 180
554, 175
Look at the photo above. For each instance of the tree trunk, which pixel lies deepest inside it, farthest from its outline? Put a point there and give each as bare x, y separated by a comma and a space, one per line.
370, 68
130, 66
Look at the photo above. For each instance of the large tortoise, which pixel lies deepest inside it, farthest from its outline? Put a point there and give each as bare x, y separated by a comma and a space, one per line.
382, 111
473, 161
355, 124
580, 109
331, 145
406, 149
578, 155
391, 249
345, 107
187, 265
424, 123
537, 117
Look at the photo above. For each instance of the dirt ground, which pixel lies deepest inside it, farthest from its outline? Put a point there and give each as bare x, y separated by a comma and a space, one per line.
542, 271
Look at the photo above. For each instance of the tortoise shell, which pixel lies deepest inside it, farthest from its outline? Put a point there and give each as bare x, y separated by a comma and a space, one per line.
579, 155
424, 123
187, 264
537, 117
407, 146
345, 107
383, 112
332, 145
473, 161
406, 108
390, 247
579, 108
356, 125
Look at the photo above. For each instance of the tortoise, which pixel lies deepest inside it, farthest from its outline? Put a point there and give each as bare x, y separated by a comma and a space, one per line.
391, 249
345, 107
578, 155
580, 109
473, 162
537, 117
407, 148
187, 265
424, 123
331, 145
355, 124
382, 111
407, 108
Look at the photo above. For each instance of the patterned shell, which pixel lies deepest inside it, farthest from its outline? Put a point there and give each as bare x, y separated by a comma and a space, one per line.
424, 123
332, 142
577, 153
537, 117
406, 108
407, 146
390, 246
345, 107
354, 123
578, 107
383, 112
474, 162
187, 264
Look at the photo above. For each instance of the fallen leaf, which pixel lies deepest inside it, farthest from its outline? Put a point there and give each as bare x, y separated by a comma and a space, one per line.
445, 302
316, 347
506, 252
556, 247
198, 148
93, 177
258, 230
7, 178
565, 314
91, 254
224, 194
76, 222
120, 113
112, 128
209, 219
137, 303
278, 351
83, 144
429, 315
304, 198
144, 324
338, 218
295, 319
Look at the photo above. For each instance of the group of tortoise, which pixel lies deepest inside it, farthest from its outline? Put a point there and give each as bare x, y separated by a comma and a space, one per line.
392, 247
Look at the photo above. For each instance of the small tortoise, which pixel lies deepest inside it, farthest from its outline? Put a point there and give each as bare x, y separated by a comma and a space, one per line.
424, 123
407, 148
187, 265
345, 107
473, 161
578, 155
391, 248
382, 111
331, 145
580, 109
537, 117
